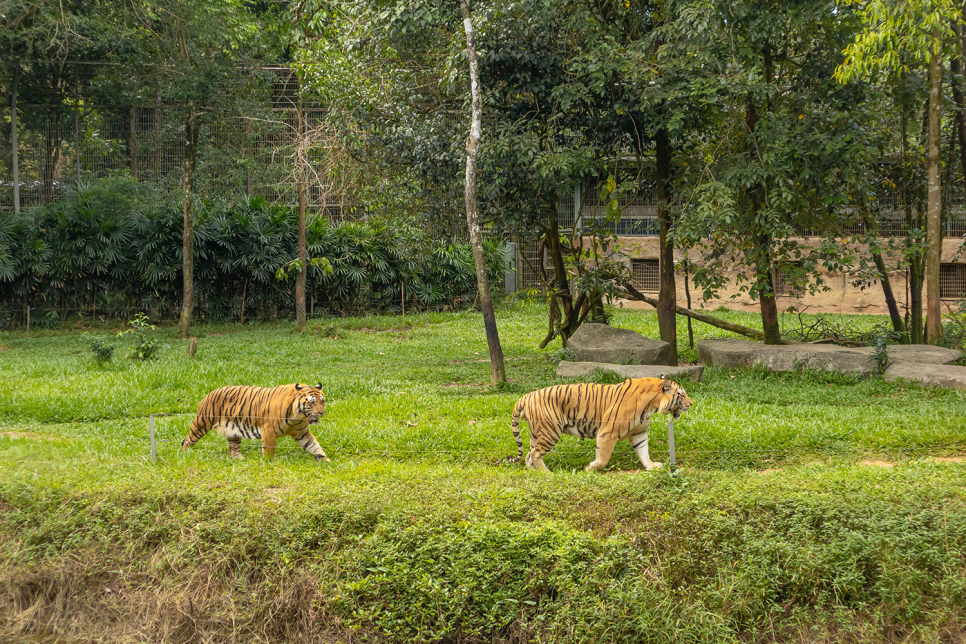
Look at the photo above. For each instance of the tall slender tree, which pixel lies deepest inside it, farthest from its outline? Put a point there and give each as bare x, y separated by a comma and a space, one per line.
472, 220
897, 33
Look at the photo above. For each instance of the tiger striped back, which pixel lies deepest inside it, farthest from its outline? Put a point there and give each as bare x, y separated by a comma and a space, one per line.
258, 412
607, 413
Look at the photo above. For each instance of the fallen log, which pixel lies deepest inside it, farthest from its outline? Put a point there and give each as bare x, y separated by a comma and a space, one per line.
754, 334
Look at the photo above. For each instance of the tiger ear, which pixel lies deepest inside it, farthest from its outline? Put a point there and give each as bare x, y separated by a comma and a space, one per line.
298, 387
318, 386
668, 385
663, 376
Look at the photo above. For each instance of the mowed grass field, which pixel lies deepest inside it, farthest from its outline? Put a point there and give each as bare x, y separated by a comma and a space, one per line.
783, 524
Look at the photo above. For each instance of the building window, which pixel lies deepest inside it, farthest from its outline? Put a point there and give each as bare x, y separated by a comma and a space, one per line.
952, 281
784, 280
647, 277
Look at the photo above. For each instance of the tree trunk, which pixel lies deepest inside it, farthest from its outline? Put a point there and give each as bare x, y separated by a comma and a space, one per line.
51, 154
476, 235
667, 297
187, 184
890, 298
687, 294
934, 237
764, 277
955, 68
301, 159
769, 307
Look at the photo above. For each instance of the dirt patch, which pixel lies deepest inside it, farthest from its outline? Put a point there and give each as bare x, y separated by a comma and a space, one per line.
950, 459
878, 463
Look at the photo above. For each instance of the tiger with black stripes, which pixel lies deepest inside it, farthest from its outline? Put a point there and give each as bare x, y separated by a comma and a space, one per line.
608, 413
259, 412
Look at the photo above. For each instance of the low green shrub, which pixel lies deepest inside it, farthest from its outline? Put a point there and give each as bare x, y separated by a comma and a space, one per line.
98, 254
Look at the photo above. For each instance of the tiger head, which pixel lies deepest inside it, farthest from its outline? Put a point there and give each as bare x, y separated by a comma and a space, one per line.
310, 402
675, 401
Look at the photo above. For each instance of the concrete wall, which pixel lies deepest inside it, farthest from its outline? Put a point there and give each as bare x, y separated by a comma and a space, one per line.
841, 296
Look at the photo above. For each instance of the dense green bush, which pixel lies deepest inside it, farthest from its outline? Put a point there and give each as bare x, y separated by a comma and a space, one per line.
97, 253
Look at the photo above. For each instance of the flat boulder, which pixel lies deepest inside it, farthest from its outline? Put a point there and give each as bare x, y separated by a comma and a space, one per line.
733, 353
601, 343
923, 354
578, 369
928, 375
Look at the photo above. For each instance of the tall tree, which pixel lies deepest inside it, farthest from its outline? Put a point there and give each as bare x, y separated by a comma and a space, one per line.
199, 49
472, 221
895, 34
787, 145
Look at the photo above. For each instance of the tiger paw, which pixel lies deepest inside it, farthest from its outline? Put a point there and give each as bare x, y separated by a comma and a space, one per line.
322, 457
238, 457
654, 466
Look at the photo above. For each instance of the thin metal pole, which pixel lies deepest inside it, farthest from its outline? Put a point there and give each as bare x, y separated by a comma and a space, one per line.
670, 441
77, 137
154, 449
13, 139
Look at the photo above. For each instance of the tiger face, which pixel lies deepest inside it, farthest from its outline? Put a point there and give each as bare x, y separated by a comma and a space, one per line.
310, 402
676, 400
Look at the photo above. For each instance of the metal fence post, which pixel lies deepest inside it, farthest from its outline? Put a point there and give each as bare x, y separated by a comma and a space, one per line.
77, 136
670, 441
13, 138
154, 443
510, 259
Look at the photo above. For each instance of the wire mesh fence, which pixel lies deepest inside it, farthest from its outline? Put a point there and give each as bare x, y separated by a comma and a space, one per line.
79, 122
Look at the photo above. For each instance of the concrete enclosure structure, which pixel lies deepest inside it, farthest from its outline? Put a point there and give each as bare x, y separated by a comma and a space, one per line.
638, 247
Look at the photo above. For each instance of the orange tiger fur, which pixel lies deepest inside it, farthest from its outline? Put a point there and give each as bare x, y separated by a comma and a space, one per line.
608, 413
258, 412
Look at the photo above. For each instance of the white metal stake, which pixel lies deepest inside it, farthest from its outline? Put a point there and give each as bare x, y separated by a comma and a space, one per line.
154, 450
670, 441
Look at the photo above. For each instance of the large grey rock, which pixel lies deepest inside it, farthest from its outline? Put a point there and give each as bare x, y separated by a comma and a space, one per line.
602, 343
928, 375
923, 354
576, 369
729, 354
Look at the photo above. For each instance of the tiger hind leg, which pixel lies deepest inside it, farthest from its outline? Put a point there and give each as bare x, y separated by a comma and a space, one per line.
199, 427
234, 449
543, 436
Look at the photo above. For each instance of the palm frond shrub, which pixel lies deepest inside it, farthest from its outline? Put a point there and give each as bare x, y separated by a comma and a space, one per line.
97, 253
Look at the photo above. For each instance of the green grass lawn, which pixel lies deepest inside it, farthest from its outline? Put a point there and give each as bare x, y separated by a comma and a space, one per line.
416, 531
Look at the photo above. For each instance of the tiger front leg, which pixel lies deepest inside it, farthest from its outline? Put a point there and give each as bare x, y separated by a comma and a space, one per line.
268, 444
606, 440
307, 442
638, 439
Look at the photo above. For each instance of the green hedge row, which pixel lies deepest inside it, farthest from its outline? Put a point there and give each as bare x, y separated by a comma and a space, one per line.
859, 555
97, 253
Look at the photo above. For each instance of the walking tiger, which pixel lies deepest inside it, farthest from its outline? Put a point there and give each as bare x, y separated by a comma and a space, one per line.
608, 413
258, 412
